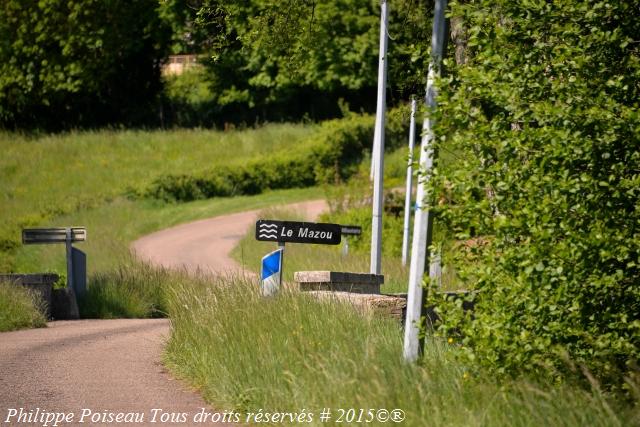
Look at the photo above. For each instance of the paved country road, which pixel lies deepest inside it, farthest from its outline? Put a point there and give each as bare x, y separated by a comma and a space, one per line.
72, 367
205, 245
89, 372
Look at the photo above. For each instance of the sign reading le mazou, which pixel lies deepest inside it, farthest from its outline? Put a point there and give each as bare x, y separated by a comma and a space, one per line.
297, 232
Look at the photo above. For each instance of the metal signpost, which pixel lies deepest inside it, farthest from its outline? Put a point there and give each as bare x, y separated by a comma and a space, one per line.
349, 230
281, 232
76, 259
53, 235
422, 230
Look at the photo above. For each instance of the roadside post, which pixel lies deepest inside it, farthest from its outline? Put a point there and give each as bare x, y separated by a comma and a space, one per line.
271, 273
378, 149
346, 231
423, 222
76, 259
281, 232
407, 196
381, 100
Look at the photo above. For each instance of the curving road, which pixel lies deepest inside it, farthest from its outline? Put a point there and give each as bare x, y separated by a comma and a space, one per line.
91, 371
205, 245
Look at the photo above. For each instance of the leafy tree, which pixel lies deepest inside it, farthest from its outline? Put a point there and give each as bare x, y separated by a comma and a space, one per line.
189, 34
79, 62
303, 56
543, 196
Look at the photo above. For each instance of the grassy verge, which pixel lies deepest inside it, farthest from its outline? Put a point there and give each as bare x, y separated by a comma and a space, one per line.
290, 353
19, 308
132, 290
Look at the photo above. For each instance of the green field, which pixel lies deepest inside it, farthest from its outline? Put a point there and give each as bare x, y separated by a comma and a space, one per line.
91, 179
77, 178
113, 226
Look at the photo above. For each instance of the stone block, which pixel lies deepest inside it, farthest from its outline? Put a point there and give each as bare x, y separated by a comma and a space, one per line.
65, 306
336, 281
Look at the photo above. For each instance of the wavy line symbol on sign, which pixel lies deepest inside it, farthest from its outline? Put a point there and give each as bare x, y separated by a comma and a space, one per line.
268, 231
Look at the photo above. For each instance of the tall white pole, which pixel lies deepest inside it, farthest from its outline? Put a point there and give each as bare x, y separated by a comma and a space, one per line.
407, 196
374, 150
422, 229
378, 154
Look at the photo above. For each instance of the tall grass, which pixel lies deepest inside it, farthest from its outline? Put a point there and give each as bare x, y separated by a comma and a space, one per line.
19, 308
290, 353
133, 290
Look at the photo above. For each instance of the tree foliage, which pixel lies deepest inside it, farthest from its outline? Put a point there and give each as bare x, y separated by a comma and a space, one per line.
79, 62
303, 56
190, 35
544, 194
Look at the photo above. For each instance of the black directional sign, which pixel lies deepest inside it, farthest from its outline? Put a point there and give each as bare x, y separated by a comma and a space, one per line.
268, 230
351, 230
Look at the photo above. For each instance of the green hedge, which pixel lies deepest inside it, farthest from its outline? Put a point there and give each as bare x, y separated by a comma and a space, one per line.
330, 156
543, 195
282, 171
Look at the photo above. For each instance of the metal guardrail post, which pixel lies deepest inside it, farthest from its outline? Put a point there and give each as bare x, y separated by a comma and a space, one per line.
69, 259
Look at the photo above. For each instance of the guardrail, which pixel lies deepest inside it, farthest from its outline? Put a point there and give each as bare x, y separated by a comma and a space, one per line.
76, 259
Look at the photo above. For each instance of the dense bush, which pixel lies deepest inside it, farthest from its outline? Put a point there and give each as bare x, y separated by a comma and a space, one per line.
331, 155
543, 195
80, 63
278, 172
391, 230
188, 100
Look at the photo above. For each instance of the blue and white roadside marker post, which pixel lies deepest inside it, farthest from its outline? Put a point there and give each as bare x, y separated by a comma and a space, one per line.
271, 274
268, 230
